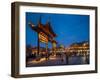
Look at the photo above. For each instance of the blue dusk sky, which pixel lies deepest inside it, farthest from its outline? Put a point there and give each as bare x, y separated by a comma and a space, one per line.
70, 28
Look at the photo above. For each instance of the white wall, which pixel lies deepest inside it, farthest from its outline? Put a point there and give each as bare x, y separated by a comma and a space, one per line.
5, 40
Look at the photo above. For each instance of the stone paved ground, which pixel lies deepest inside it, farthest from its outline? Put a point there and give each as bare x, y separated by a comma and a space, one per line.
53, 61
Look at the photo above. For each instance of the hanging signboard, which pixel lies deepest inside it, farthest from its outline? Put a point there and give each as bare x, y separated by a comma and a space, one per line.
43, 37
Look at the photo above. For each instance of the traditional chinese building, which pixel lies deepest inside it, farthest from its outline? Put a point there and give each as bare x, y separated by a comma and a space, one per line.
45, 35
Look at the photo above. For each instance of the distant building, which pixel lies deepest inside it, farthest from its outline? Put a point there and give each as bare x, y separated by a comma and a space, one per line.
42, 50
81, 48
